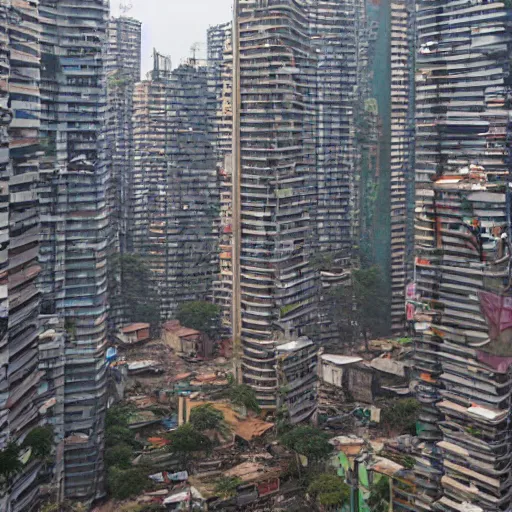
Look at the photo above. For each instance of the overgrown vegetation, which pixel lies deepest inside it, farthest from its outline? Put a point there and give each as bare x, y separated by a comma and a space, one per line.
329, 490
401, 417
309, 441
123, 480
359, 309
133, 287
206, 417
10, 465
126, 483
244, 396
186, 441
200, 315
380, 495
226, 486
40, 440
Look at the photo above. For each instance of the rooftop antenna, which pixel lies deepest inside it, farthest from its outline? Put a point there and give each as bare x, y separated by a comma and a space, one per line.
125, 7
194, 49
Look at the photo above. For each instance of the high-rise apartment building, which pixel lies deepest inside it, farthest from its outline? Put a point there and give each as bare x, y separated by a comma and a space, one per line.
75, 224
402, 40
22, 392
175, 199
123, 67
220, 89
274, 289
460, 301
295, 171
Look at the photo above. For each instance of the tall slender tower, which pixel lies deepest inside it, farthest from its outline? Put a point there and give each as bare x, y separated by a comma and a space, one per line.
75, 223
402, 155
220, 92
273, 166
123, 66
20, 378
461, 299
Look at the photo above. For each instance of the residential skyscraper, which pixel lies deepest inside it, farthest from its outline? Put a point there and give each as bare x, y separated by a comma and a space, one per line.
75, 224
460, 301
21, 394
220, 89
175, 198
296, 173
402, 156
123, 67
274, 288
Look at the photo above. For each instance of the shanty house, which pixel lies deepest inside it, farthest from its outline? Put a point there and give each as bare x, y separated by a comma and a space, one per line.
186, 341
133, 333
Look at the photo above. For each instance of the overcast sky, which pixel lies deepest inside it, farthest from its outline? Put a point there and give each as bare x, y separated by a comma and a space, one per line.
173, 26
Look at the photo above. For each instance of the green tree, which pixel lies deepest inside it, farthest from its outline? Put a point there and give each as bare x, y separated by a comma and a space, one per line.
329, 490
360, 308
124, 484
206, 417
40, 440
10, 464
226, 486
244, 396
186, 440
119, 455
380, 495
119, 434
133, 290
119, 415
308, 441
200, 315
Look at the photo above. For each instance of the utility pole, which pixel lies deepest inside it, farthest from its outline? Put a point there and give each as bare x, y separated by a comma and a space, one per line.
236, 319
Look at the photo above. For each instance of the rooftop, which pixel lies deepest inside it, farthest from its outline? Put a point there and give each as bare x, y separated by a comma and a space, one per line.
134, 328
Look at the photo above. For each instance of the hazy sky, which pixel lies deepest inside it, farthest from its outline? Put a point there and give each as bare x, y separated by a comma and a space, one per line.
173, 26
